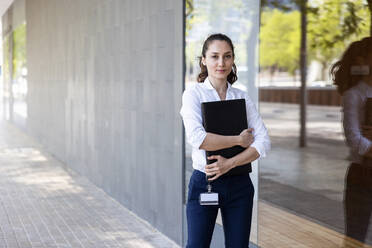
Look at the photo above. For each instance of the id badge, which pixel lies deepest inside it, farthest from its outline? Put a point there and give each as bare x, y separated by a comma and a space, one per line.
208, 198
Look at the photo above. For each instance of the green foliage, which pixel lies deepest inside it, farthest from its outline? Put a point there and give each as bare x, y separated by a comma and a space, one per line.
336, 22
19, 50
6, 62
189, 14
280, 39
332, 25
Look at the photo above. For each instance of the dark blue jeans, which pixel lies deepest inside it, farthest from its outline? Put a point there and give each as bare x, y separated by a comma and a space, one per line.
236, 203
358, 202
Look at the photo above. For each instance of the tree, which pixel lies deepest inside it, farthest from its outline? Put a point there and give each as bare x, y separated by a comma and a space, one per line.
280, 40
19, 50
189, 15
348, 26
370, 16
303, 70
333, 24
302, 6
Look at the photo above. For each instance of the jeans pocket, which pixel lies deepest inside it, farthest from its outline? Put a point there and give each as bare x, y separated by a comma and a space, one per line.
196, 186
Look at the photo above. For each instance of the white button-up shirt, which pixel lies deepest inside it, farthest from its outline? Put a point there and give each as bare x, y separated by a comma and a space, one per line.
354, 101
192, 119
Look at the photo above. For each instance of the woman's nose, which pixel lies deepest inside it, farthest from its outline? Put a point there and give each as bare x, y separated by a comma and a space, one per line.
221, 61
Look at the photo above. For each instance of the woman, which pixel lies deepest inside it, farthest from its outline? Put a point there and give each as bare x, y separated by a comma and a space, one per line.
353, 77
218, 73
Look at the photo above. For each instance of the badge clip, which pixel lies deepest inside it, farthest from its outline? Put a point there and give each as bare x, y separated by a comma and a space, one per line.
208, 198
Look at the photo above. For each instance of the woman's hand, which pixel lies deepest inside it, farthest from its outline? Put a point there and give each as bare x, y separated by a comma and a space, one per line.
246, 137
218, 168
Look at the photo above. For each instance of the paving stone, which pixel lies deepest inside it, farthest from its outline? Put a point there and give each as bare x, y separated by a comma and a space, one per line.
43, 206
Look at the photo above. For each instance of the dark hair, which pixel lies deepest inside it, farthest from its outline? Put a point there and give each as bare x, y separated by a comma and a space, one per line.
341, 70
232, 77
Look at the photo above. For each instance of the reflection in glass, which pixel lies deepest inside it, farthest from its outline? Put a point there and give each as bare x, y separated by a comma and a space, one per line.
353, 79
308, 184
6, 76
19, 85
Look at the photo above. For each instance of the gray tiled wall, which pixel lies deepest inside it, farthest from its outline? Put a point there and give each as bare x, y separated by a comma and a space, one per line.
104, 91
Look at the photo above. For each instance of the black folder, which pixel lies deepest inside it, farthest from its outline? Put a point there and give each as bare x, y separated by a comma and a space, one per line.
368, 121
227, 117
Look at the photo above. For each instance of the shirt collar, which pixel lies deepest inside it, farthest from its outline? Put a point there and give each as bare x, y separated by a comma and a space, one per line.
207, 84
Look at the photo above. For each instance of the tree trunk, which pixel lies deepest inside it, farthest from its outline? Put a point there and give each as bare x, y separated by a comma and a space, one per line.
324, 70
272, 72
370, 16
303, 68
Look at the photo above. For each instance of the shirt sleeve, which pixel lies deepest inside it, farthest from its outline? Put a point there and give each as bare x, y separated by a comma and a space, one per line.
261, 138
352, 105
192, 118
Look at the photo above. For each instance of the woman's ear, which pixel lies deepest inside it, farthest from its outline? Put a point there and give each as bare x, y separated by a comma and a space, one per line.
203, 61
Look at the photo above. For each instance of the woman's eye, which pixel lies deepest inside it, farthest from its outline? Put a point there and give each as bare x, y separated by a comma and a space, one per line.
228, 56
215, 56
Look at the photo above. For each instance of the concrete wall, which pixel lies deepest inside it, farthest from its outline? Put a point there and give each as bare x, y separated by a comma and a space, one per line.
105, 85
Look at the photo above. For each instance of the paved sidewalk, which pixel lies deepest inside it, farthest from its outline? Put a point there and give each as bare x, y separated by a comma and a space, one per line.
43, 205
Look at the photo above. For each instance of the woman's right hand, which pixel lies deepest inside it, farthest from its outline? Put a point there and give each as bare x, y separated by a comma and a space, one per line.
246, 137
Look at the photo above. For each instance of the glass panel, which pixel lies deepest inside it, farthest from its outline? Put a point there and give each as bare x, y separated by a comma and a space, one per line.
239, 20
19, 86
316, 189
6, 76
15, 70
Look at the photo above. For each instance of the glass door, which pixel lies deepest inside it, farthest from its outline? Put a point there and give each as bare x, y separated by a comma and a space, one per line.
238, 19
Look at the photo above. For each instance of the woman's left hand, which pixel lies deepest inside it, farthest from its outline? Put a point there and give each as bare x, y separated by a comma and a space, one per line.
218, 168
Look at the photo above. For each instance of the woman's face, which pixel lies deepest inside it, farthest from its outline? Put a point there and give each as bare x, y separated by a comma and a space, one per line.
218, 59
366, 69
368, 62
